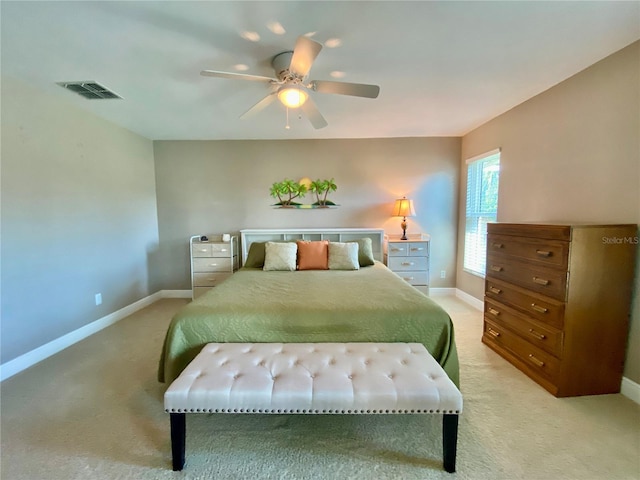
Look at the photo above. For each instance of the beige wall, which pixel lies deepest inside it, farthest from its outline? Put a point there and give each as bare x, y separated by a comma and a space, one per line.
78, 218
223, 186
571, 154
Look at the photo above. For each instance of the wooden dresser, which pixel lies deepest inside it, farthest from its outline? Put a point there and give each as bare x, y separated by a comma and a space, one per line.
558, 300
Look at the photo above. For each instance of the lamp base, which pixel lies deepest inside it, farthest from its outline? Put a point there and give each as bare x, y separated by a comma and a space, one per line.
403, 225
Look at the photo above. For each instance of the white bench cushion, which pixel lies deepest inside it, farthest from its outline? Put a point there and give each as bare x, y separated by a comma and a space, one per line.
313, 378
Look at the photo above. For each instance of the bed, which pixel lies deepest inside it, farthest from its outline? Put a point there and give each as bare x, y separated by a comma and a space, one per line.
370, 304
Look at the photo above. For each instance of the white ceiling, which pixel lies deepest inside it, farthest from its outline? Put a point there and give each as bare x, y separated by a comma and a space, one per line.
444, 68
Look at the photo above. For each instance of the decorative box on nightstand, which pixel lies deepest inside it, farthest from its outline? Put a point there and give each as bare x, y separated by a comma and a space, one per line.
212, 261
409, 259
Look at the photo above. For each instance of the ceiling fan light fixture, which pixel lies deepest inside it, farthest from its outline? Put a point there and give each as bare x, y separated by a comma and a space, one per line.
292, 97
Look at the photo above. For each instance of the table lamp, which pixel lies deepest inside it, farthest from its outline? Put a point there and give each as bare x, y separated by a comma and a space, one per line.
403, 208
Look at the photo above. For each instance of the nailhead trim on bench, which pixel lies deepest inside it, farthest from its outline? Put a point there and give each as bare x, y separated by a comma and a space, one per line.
330, 411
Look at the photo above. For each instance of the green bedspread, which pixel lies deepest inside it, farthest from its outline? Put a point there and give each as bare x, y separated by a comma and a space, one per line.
367, 305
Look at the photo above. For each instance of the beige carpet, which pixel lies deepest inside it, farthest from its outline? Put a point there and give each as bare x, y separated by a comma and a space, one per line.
94, 411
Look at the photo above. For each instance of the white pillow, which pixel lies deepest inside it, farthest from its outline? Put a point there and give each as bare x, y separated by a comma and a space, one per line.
343, 256
280, 256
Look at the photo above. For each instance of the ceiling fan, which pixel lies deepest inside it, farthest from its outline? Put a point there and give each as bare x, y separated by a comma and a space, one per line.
291, 86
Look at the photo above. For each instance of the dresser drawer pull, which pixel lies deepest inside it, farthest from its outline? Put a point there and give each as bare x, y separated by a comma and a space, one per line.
543, 253
497, 245
540, 281
538, 308
539, 336
535, 361
224, 250
407, 263
495, 290
493, 333
203, 250
417, 249
396, 249
496, 268
213, 264
494, 312
407, 279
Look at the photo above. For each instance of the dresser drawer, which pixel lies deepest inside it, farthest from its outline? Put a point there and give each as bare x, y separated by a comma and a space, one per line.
398, 264
212, 264
542, 336
210, 279
535, 360
396, 249
418, 250
543, 309
548, 232
415, 278
545, 280
545, 252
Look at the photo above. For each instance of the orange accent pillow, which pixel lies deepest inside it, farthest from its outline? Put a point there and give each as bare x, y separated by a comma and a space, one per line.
313, 255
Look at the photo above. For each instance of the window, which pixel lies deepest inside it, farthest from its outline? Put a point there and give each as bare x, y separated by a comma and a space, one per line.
483, 174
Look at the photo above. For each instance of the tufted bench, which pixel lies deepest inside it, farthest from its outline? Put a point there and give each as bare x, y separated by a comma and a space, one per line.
314, 378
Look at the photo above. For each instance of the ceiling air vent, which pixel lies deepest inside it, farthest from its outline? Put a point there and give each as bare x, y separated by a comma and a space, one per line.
90, 90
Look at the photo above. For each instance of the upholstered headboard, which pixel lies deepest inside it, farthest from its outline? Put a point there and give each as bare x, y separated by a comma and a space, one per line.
247, 237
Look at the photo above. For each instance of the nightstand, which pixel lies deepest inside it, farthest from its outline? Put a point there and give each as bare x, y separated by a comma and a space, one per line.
212, 261
409, 259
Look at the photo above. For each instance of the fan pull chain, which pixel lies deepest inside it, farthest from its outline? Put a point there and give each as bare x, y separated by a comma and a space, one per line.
287, 126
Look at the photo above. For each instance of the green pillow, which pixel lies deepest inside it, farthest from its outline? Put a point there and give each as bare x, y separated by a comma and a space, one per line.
255, 257
365, 252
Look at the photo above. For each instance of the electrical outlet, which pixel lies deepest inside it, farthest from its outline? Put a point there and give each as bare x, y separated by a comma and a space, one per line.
443, 274
98, 299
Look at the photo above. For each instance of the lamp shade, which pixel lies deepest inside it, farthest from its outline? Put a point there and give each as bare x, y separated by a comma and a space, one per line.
403, 208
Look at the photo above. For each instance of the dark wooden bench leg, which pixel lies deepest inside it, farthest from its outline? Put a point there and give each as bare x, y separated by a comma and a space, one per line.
449, 441
178, 435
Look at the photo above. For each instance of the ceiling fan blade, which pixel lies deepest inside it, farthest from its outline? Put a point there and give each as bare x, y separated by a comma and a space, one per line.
236, 76
343, 88
258, 107
313, 114
304, 53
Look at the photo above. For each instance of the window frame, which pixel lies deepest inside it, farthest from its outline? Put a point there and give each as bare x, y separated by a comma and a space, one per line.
474, 253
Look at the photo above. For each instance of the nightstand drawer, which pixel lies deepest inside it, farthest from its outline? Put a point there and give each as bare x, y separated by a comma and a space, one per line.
418, 250
398, 249
209, 279
408, 263
201, 249
212, 264
220, 249
415, 278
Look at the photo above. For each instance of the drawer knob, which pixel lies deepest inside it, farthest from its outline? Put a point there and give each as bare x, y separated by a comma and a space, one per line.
540, 281
536, 361
538, 308
493, 333
537, 335
543, 253
494, 312
497, 245
495, 290
496, 268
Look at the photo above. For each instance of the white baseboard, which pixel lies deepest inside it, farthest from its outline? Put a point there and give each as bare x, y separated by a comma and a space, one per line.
441, 292
470, 299
630, 389
18, 364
